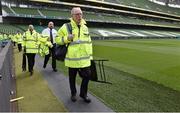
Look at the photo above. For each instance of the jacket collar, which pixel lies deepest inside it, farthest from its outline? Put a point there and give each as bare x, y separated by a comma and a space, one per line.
73, 23
32, 31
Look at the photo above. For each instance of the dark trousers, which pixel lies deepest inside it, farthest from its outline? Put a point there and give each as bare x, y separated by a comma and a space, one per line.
85, 75
14, 43
31, 61
24, 62
19, 47
51, 53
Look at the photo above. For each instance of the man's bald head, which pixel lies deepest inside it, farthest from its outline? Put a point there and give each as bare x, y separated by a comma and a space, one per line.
76, 10
50, 25
76, 14
31, 27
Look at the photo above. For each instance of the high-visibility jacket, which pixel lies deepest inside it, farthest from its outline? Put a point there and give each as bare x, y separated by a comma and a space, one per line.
79, 51
1, 37
44, 45
5, 37
18, 38
13, 38
31, 42
10, 36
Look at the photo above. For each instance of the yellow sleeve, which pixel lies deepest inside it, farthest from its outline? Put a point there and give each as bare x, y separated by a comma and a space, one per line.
24, 39
62, 35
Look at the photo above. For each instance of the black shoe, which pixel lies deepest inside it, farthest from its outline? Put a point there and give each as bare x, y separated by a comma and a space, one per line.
55, 70
86, 98
73, 98
23, 69
31, 73
44, 66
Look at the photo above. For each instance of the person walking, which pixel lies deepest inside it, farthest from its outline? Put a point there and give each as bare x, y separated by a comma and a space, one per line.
51, 33
19, 39
31, 46
79, 53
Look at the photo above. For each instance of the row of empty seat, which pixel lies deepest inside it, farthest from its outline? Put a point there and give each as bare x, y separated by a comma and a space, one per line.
145, 4
90, 16
99, 32
9, 29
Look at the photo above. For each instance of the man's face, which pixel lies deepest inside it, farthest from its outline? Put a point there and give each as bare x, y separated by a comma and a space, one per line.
77, 16
30, 29
51, 25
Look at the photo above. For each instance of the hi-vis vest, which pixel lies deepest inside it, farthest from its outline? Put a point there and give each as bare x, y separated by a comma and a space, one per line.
5, 36
44, 45
79, 51
31, 42
18, 38
11, 37
1, 37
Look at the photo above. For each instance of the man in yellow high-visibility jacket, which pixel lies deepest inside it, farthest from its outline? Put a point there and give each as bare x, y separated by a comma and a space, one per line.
5, 36
31, 46
79, 52
13, 39
18, 38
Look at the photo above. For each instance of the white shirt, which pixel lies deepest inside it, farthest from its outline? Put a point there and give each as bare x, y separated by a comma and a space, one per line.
47, 32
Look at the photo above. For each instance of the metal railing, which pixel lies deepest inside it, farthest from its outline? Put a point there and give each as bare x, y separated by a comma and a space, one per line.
6, 59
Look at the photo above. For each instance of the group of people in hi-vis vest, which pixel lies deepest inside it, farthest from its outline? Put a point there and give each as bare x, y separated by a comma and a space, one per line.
79, 53
4, 38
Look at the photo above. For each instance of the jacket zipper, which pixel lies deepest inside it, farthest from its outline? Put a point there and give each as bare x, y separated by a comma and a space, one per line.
79, 32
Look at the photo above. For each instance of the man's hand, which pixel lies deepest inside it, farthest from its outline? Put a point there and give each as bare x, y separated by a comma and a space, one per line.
70, 37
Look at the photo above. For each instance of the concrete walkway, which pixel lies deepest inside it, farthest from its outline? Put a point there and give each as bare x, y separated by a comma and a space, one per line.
59, 85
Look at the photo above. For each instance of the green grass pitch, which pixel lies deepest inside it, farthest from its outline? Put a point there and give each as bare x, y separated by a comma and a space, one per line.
145, 74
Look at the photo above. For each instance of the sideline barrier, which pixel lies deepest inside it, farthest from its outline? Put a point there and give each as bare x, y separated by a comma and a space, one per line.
6, 63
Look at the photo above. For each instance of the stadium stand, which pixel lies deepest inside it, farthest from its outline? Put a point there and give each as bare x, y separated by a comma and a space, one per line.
109, 33
90, 16
101, 33
144, 4
170, 3
6, 8
96, 16
97, 33
50, 13
8, 29
25, 11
